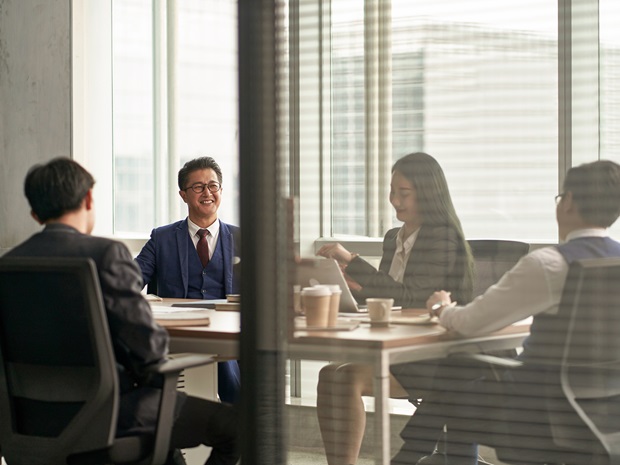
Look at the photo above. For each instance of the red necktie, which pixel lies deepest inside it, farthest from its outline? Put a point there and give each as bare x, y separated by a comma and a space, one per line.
203, 247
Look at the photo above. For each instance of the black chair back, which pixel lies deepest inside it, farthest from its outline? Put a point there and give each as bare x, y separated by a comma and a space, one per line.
493, 257
590, 371
58, 379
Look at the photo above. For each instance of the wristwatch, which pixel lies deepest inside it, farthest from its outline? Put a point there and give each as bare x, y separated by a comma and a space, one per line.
436, 307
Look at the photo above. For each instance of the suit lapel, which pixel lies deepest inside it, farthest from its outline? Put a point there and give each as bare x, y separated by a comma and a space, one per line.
419, 244
389, 248
182, 235
227, 256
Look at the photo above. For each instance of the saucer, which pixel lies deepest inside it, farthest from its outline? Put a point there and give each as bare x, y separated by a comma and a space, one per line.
379, 324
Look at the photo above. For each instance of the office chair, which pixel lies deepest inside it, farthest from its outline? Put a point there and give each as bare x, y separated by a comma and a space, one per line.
493, 257
590, 371
582, 397
59, 392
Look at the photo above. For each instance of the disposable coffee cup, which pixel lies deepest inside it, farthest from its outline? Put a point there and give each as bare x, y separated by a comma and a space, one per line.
379, 311
297, 299
315, 304
334, 303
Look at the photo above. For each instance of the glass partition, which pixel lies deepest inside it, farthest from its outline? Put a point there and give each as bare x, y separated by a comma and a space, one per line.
484, 87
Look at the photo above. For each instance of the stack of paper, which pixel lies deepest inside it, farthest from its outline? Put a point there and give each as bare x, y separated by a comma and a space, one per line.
171, 316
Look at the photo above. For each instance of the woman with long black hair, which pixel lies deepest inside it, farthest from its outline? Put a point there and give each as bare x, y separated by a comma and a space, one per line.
426, 254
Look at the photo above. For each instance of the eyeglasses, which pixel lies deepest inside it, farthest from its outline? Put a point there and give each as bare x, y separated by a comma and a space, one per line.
559, 197
199, 187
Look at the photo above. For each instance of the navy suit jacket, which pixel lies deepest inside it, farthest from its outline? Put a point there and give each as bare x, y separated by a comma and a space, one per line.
164, 264
163, 259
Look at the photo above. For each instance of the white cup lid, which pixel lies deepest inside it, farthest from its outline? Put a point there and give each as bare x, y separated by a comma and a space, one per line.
316, 291
372, 300
334, 288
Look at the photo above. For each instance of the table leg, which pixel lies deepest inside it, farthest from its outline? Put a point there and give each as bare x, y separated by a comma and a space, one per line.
382, 413
295, 377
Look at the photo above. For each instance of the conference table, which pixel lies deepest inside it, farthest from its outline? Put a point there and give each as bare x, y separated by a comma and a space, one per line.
377, 346
397, 343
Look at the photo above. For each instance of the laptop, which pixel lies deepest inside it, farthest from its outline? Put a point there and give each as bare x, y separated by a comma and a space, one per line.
311, 271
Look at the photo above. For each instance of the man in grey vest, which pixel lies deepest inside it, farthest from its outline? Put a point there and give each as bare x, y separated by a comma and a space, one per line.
588, 204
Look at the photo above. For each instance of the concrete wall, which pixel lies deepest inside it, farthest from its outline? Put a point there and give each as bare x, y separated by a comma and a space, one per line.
35, 102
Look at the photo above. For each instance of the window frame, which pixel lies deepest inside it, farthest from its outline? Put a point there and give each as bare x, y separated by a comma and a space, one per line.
578, 96
309, 123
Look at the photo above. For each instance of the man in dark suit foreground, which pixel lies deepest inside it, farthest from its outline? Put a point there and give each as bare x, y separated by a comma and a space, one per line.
61, 198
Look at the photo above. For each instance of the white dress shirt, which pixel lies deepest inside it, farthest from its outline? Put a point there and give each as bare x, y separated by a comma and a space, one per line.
401, 255
534, 285
214, 232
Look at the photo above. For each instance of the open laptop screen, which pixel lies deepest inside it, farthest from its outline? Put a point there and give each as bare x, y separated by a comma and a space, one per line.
311, 271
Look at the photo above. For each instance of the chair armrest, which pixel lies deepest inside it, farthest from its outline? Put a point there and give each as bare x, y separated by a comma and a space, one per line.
489, 360
180, 363
170, 370
495, 365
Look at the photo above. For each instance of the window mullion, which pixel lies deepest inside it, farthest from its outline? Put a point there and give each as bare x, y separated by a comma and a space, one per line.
173, 153
160, 114
378, 99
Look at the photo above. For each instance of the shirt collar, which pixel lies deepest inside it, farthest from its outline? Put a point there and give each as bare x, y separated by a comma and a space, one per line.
406, 246
589, 232
213, 229
60, 227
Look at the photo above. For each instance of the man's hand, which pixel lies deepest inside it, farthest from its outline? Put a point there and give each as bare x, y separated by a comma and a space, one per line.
437, 301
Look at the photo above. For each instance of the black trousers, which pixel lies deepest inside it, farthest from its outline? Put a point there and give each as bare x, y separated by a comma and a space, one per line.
507, 409
423, 382
202, 421
210, 423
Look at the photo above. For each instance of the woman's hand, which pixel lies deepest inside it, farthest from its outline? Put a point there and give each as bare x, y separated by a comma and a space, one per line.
337, 252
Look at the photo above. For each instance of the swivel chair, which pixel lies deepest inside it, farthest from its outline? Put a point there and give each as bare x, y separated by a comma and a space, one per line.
59, 392
492, 258
581, 392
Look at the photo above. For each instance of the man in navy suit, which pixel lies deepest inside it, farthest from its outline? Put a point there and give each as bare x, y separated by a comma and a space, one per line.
60, 194
179, 263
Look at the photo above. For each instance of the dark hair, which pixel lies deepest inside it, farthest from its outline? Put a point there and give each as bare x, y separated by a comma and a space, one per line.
57, 187
436, 208
201, 163
595, 188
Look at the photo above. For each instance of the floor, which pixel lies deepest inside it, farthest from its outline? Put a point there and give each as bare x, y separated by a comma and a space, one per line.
305, 445
316, 457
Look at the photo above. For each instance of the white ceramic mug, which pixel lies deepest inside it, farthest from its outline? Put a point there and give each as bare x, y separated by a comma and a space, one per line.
379, 310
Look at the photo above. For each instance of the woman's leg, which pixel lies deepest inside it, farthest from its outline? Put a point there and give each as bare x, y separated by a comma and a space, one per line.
340, 409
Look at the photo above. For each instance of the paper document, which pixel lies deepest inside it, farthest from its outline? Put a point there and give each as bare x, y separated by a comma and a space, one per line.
206, 303
168, 309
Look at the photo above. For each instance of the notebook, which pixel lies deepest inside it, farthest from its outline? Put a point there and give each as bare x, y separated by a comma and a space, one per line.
311, 271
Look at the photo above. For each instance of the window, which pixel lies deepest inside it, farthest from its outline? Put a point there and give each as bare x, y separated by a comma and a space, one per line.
175, 98
134, 159
475, 85
609, 101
